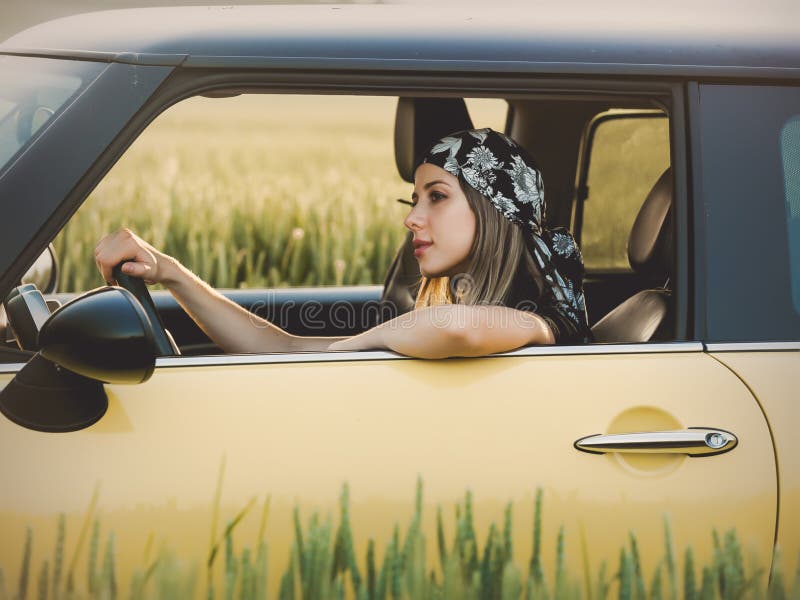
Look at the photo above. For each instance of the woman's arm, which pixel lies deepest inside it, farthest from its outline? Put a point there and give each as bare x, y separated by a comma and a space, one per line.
229, 326
453, 330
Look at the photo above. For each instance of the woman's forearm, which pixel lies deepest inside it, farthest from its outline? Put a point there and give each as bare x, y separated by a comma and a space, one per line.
230, 326
453, 330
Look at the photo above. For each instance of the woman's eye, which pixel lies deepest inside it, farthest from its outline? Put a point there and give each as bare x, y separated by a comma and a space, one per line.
437, 196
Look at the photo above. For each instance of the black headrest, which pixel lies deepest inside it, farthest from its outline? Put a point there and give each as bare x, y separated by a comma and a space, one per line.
650, 242
422, 121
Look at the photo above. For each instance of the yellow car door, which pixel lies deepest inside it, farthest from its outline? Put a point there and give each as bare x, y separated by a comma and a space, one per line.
401, 473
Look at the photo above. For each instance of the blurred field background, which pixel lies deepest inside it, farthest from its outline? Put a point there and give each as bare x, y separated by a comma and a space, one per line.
258, 191
278, 190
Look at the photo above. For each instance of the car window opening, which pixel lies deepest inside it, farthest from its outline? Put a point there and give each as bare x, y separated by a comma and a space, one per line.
285, 202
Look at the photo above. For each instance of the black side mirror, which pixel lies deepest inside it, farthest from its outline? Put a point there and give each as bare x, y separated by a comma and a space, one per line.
102, 336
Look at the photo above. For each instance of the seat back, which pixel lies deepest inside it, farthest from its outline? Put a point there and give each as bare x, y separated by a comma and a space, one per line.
419, 123
647, 315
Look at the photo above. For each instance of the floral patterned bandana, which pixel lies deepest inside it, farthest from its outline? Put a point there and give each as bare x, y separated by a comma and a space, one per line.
501, 170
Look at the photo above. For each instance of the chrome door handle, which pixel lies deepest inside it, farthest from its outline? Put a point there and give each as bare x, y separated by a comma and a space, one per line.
694, 441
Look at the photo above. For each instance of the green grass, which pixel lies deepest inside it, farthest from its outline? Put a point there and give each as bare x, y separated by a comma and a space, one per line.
323, 563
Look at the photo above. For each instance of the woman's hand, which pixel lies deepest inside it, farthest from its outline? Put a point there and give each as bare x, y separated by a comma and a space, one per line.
142, 259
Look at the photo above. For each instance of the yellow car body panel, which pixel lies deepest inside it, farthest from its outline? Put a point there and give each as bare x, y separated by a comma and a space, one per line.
500, 427
769, 376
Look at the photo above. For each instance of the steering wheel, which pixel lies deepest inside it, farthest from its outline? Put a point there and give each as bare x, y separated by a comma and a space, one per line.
165, 345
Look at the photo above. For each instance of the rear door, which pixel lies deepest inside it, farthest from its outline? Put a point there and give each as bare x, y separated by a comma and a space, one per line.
751, 187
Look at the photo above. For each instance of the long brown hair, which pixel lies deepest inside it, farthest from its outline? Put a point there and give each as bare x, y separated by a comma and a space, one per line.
500, 266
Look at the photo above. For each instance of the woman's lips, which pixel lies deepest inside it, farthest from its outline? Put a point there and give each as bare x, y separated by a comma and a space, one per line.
420, 247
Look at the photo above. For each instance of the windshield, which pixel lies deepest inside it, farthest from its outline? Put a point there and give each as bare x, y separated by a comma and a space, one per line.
32, 92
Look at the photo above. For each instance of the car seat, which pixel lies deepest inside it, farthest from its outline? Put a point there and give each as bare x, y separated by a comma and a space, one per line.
648, 314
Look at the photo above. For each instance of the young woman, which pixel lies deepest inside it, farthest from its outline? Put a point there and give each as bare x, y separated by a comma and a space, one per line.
494, 278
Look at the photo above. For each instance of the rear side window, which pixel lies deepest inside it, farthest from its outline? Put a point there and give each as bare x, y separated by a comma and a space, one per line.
751, 194
790, 153
627, 151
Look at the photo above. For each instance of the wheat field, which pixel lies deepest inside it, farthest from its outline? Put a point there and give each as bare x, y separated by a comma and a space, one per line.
274, 191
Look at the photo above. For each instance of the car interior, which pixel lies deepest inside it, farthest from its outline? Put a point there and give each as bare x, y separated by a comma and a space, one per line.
625, 304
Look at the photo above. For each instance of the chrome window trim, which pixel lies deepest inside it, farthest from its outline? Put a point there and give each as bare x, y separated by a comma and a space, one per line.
314, 357
255, 359
752, 346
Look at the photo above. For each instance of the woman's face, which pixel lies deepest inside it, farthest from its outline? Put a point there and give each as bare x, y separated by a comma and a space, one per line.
442, 222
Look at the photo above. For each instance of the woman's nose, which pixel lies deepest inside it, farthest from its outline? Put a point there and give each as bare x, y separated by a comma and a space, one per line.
414, 220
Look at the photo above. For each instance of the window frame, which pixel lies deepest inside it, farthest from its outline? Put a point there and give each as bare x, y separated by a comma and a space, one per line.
188, 82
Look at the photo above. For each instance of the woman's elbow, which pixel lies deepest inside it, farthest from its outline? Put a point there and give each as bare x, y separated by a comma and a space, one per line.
466, 340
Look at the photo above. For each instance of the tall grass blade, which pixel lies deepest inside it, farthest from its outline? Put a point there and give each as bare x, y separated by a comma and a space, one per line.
638, 590
587, 571
497, 563
486, 573
91, 568
735, 582
453, 584
395, 566
415, 581
371, 575
212, 544
689, 583
87, 519
43, 582
656, 584
669, 560
627, 574
508, 546
231, 565
384, 575
25, 568
247, 585
228, 531
560, 590
58, 556
262, 527
286, 591
440, 539
535, 568
472, 555
108, 575
602, 584
349, 551
511, 584
298, 540
261, 566
707, 588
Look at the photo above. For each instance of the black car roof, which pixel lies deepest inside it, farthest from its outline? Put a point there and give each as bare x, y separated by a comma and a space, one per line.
530, 38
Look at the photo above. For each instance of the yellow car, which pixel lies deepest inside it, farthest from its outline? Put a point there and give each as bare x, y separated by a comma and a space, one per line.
140, 461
